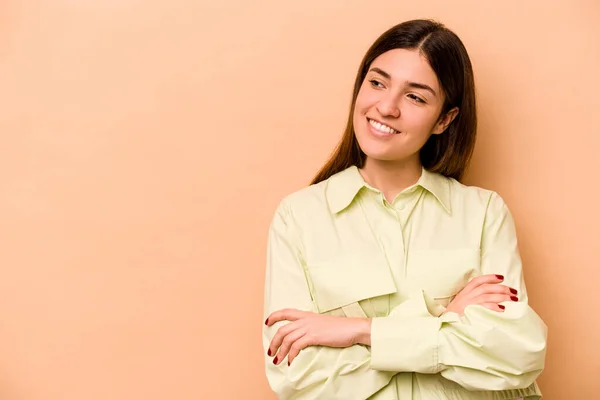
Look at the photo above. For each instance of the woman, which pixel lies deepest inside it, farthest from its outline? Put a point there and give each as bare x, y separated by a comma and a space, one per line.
386, 277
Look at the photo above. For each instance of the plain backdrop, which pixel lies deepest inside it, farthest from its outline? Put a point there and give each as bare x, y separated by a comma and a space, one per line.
144, 146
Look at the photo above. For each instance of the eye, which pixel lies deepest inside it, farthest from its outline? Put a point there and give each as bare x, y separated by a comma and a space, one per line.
376, 83
416, 98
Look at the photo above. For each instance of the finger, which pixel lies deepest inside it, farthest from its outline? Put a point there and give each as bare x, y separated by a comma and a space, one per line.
287, 314
298, 345
494, 307
476, 282
494, 289
287, 344
484, 279
495, 298
279, 337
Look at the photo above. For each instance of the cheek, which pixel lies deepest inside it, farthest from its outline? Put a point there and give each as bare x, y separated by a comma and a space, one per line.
359, 111
418, 120
365, 100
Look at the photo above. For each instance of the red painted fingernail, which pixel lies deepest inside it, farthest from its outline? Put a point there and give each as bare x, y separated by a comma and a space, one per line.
501, 277
513, 298
275, 360
501, 306
267, 321
269, 353
513, 291
288, 363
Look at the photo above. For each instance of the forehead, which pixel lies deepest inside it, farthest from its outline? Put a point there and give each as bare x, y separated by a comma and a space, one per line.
406, 65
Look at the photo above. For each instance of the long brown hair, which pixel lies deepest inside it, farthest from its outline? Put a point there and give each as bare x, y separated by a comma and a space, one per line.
449, 153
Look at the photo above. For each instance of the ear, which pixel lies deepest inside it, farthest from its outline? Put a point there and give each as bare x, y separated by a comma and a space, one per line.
444, 121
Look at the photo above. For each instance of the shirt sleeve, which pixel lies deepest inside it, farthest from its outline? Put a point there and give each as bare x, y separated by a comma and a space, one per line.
318, 372
484, 349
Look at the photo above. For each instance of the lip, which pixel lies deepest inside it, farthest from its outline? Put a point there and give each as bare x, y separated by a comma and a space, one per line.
377, 133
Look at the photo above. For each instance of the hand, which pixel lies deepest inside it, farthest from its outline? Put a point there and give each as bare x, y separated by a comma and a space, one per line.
485, 291
310, 329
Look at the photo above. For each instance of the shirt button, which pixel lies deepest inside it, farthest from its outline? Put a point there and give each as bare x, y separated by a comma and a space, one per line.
400, 207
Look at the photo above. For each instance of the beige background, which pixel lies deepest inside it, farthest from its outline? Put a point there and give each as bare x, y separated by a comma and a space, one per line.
145, 144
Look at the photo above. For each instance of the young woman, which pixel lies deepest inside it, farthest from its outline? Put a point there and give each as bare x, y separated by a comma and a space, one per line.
387, 278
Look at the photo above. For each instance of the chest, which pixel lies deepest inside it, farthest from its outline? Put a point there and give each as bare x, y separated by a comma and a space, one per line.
374, 259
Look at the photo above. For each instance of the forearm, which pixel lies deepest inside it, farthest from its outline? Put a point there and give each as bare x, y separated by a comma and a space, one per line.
484, 350
320, 372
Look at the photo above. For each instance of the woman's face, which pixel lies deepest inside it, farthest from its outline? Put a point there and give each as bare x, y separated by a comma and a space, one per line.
398, 107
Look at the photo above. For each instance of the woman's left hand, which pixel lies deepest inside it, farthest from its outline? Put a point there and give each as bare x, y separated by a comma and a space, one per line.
310, 329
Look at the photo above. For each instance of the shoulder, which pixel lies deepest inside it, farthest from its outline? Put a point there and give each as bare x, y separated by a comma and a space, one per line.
475, 196
304, 201
323, 198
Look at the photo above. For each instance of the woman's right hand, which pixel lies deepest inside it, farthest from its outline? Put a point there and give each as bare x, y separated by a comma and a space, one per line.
484, 290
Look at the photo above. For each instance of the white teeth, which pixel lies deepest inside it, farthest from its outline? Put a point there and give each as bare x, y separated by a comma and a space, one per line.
381, 127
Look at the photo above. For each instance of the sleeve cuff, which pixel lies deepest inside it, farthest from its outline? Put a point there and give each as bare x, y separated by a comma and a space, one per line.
406, 340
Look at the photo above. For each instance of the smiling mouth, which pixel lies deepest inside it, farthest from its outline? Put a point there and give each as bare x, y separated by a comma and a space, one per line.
382, 127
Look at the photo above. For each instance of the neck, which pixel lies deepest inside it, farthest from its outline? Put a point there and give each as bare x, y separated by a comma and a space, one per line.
391, 177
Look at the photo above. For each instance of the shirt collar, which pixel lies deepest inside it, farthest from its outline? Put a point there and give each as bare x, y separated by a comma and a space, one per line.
343, 187
439, 186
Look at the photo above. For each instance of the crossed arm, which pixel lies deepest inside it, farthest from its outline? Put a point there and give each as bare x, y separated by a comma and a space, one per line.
478, 343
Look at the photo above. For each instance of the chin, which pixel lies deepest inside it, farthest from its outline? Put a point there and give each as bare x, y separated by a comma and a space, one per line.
383, 157
380, 154
377, 150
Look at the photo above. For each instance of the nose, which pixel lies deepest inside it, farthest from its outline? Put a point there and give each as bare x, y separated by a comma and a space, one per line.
388, 107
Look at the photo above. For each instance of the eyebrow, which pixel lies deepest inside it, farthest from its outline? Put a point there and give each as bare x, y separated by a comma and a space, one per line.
415, 85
